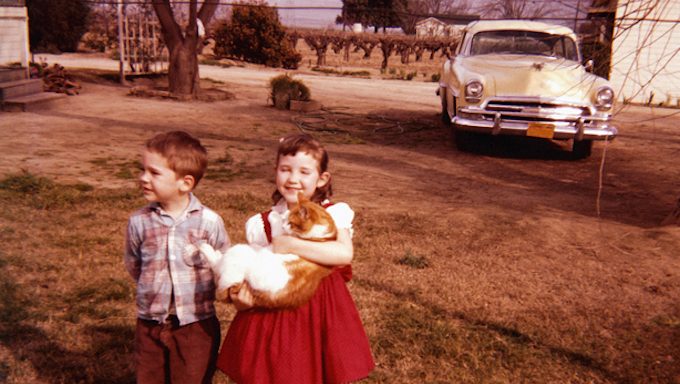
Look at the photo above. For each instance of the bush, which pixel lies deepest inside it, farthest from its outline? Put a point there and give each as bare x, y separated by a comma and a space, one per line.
256, 35
284, 89
56, 25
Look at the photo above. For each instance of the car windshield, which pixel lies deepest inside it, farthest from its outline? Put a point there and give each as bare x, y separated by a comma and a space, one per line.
523, 43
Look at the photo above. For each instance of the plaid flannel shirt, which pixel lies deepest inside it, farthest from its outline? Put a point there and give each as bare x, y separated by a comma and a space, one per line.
161, 255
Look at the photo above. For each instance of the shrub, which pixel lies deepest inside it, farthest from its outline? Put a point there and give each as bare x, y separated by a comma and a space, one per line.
256, 35
284, 89
56, 25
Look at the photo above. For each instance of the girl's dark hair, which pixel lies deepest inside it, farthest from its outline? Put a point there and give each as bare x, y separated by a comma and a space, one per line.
302, 142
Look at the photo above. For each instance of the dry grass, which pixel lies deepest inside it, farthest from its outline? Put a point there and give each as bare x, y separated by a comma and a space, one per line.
67, 306
470, 268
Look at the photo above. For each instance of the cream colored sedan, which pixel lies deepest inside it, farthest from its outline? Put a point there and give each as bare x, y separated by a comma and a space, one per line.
524, 78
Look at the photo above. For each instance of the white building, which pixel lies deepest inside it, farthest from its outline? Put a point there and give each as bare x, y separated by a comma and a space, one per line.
433, 27
645, 64
14, 43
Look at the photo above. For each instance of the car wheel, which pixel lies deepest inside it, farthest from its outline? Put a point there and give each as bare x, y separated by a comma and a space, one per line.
446, 119
581, 149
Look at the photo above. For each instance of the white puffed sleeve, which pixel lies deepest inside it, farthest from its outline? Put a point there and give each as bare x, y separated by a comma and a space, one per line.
255, 233
343, 216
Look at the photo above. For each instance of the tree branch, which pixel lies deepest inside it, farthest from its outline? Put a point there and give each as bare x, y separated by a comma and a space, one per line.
172, 32
207, 11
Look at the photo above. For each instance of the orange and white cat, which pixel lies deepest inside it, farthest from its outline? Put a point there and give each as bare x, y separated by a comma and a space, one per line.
276, 280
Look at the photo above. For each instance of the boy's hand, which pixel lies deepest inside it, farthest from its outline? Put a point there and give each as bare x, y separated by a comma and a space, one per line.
243, 298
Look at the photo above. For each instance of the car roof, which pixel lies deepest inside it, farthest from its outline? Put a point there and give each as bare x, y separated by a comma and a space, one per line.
522, 25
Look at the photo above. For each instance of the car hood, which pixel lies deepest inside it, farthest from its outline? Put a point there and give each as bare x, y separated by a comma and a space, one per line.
533, 76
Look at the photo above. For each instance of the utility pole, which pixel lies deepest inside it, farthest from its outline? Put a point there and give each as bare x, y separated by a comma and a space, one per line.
121, 44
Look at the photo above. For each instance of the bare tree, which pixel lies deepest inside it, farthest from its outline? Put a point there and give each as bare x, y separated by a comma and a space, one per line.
515, 9
183, 43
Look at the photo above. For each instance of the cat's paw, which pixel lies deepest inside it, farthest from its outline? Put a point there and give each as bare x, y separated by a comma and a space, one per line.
211, 255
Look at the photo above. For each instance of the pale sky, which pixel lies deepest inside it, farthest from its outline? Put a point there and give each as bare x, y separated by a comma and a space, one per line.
316, 18
325, 18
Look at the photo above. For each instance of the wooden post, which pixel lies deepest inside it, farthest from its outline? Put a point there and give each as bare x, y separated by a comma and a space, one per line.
121, 44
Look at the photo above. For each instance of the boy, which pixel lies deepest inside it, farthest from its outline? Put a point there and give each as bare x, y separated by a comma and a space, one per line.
177, 333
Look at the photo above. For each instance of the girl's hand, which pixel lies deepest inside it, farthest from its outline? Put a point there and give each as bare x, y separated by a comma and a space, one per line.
330, 253
283, 244
243, 299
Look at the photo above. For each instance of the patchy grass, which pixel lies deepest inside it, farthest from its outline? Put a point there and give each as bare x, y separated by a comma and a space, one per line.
444, 300
413, 261
331, 71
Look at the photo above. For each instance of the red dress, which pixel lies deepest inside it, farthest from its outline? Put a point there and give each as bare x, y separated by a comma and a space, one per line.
322, 341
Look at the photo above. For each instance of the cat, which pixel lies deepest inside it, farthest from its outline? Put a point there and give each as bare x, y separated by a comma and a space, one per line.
276, 280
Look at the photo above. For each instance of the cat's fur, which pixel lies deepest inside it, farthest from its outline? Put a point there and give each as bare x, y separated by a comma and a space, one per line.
276, 280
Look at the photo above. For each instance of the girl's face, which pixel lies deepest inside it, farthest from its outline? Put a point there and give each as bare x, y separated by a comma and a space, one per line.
298, 173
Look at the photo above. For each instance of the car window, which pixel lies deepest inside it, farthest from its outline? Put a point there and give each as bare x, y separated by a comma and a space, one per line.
523, 43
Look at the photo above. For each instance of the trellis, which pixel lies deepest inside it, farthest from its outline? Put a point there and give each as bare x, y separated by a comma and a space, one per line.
142, 50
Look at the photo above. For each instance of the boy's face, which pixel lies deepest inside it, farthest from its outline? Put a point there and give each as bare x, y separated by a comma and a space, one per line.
160, 183
298, 173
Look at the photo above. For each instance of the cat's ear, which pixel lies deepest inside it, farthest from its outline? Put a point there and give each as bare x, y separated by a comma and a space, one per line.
301, 198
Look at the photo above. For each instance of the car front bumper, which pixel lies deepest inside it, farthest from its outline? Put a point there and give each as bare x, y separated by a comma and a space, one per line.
549, 126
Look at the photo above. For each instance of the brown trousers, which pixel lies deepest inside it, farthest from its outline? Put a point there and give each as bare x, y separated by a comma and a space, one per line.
170, 353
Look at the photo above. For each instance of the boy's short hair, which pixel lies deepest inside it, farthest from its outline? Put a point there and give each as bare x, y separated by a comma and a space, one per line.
184, 153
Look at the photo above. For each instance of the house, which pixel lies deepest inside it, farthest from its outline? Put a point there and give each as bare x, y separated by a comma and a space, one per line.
600, 24
646, 52
18, 92
433, 27
13, 33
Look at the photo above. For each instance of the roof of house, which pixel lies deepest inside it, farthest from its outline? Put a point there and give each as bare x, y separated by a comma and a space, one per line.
430, 20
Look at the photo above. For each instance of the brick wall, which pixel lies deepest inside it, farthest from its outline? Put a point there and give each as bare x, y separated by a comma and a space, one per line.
646, 53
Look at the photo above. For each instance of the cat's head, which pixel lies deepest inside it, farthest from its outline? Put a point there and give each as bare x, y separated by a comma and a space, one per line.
308, 220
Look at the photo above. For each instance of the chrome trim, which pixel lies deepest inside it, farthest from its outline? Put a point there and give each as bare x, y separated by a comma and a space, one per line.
469, 98
496, 124
605, 106
593, 127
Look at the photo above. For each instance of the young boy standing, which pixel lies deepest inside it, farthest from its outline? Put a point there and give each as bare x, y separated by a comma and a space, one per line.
177, 334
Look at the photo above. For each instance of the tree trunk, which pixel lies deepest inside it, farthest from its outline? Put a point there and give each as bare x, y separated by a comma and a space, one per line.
183, 77
183, 44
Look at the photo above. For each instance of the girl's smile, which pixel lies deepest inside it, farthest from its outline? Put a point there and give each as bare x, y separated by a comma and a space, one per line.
298, 173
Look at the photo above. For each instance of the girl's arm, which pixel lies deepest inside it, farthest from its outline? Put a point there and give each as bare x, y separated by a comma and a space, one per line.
337, 252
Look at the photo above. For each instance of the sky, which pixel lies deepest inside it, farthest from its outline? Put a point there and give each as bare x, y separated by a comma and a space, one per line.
317, 18
325, 18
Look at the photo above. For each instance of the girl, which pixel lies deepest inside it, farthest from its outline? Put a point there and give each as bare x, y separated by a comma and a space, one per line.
322, 341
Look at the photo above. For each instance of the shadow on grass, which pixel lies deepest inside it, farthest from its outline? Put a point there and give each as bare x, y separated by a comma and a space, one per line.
477, 349
107, 359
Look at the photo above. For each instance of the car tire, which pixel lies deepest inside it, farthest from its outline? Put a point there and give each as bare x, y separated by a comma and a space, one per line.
581, 149
446, 118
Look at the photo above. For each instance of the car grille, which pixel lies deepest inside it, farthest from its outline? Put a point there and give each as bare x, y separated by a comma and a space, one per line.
532, 110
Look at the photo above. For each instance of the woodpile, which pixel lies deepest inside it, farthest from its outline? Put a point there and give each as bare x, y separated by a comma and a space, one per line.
55, 79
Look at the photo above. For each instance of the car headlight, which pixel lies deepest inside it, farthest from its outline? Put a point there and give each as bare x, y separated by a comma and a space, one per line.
604, 98
473, 91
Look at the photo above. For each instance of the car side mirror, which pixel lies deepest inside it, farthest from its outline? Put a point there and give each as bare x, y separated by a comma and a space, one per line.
589, 65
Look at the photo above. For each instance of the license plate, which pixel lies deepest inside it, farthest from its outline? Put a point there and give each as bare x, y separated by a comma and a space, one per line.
543, 130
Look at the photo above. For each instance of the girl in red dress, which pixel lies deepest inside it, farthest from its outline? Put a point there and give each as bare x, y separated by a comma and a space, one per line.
322, 341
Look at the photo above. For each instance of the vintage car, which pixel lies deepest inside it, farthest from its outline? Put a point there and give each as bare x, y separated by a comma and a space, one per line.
525, 78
